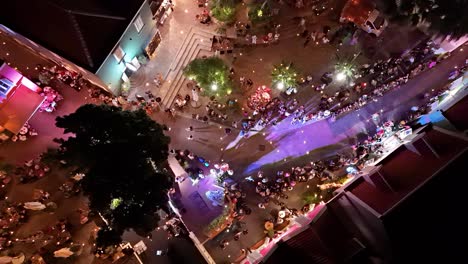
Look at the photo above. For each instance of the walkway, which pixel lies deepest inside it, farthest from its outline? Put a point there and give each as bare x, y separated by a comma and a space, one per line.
183, 39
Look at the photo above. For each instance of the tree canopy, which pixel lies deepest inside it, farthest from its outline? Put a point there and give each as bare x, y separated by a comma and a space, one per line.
224, 10
121, 153
211, 74
444, 17
284, 76
260, 12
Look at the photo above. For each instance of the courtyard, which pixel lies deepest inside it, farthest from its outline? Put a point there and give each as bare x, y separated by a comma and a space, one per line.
264, 160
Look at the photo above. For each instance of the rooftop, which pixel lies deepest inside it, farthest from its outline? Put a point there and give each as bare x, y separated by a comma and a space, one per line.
82, 31
456, 114
429, 227
20, 102
404, 170
325, 241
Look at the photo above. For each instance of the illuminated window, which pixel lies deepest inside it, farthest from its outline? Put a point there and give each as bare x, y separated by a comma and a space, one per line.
5, 86
138, 23
119, 54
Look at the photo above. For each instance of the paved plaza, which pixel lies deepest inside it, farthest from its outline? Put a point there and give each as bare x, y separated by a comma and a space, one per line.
272, 149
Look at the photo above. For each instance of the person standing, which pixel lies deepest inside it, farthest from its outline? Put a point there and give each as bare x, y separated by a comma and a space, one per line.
307, 40
302, 23
277, 35
250, 83
242, 81
313, 35
171, 5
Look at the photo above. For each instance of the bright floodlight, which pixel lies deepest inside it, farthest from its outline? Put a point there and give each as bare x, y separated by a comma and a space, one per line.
214, 87
340, 76
280, 85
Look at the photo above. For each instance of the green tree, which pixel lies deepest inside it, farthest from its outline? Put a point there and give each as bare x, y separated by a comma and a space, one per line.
284, 76
224, 10
211, 74
260, 12
447, 18
121, 153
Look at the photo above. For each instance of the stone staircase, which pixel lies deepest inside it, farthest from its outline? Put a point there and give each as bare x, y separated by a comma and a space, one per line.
197, 43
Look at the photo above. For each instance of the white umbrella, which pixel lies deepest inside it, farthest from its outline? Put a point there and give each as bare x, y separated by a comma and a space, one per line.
63, 253
34, 206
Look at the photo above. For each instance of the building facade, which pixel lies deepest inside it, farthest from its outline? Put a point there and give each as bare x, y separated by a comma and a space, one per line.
105, 41
131, 51
404, 209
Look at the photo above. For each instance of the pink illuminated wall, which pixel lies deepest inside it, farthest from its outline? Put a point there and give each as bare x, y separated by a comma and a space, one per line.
17, 78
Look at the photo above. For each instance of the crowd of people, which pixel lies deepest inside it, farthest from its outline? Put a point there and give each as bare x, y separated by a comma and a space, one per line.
235, 228
51, 98
174, 226
25, 133
73, 79
12, 215
222, 44
204, 17
388, 75
32, 170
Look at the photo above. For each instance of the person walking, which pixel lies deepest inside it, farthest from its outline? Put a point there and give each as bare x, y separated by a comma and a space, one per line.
276, 37
302, 22
242, 81
250, 83
254, 39
308, 38
313, 35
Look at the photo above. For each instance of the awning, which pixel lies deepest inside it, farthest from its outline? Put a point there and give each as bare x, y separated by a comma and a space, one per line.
18, 108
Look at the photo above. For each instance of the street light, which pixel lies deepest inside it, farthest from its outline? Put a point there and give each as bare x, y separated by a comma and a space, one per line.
341, 76
280, 85
214, 87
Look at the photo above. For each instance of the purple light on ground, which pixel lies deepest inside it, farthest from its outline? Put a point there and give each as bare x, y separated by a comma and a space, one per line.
292, 141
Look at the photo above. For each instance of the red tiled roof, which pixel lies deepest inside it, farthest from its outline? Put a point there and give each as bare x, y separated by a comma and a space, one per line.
325, 241
457, 114
404, 170
428, 226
